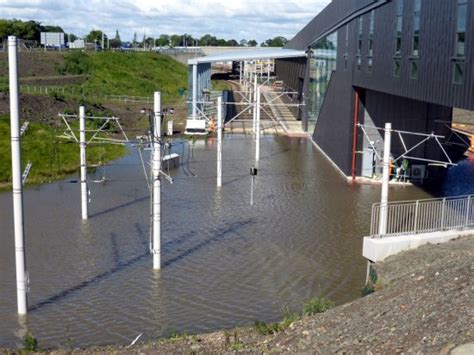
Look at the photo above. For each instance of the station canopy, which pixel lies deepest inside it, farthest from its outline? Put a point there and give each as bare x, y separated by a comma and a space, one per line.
248, 55
200, 70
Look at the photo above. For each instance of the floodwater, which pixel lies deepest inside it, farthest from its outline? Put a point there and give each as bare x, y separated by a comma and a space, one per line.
226, 263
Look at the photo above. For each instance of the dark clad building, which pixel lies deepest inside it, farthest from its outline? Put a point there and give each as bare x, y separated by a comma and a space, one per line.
408, 62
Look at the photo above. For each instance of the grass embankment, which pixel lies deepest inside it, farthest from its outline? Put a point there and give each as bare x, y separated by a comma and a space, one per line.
107, 73
221, 85
52, 158
132, 74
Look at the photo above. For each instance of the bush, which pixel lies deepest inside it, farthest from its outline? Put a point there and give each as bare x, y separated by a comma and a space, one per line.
30, 343
263, 328
317, 305
371, 284
75, 63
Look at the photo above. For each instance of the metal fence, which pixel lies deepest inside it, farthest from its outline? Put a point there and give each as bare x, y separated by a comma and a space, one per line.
425, 216
79, 93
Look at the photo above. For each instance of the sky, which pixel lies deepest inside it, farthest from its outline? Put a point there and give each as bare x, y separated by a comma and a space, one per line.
229, 19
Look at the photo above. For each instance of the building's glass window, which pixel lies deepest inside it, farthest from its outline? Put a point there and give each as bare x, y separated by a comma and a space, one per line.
414, 69
397, 66
458, 73
369, 64
360, 32
399, 26
461, 29
346, 55
371, 33
347, 36
460, 51
322, 65
416, 27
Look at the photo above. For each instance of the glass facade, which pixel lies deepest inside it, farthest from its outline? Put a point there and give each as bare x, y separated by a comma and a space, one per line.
460, 51
416, 27
322, 65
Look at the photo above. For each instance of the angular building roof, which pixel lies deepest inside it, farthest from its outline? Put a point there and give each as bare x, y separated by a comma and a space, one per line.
236, 56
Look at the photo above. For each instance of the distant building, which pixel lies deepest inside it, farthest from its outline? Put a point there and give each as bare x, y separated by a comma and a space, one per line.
77, 44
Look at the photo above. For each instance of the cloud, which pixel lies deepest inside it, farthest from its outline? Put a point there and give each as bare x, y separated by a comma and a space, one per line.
238, 19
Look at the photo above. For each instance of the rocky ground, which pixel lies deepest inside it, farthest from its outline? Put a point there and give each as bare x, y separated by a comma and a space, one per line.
424, 303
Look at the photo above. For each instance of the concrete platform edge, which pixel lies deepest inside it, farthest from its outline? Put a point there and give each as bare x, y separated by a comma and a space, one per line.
378, 249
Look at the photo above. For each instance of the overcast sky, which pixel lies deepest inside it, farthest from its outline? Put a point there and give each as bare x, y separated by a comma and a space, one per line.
229, 19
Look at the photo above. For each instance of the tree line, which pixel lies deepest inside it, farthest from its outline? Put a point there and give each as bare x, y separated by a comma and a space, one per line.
31, 31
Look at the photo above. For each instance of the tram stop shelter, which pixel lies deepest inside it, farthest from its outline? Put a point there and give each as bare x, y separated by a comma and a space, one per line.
200, 74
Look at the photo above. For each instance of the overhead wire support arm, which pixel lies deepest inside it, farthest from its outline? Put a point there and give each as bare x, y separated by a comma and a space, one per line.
26, 172
24, 127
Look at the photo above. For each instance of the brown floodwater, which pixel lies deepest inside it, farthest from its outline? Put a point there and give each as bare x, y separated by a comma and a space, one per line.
226, 263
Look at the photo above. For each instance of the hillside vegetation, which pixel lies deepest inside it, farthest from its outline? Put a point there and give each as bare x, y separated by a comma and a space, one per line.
52, 158
133, 74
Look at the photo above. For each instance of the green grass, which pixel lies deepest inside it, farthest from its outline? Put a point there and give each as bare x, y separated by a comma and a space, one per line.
317, 305
52, 158
311, 307
132, 74
221, 85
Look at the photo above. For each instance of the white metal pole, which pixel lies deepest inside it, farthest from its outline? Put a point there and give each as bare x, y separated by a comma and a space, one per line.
257, 136
255, 103
21, 279
156, 167
219, 141
240, 73
385, 180
251, 190
195, 78
83, 154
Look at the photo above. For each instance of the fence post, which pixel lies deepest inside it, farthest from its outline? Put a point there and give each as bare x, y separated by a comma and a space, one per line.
443, 212
468, 209
416, 216
383, 219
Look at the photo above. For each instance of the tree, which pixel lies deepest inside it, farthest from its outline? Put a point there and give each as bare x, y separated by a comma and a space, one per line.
49, 28
243, 43
116, 42
149, 42
29, 30
252, 43
208, 40
95, 36
134, 42
275, 42
70, 37
232, 43
163, 41
221, 42
176, 40
4, 29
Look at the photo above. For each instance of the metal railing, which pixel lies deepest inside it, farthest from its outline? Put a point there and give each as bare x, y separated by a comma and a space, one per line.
80, 93
425, 216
